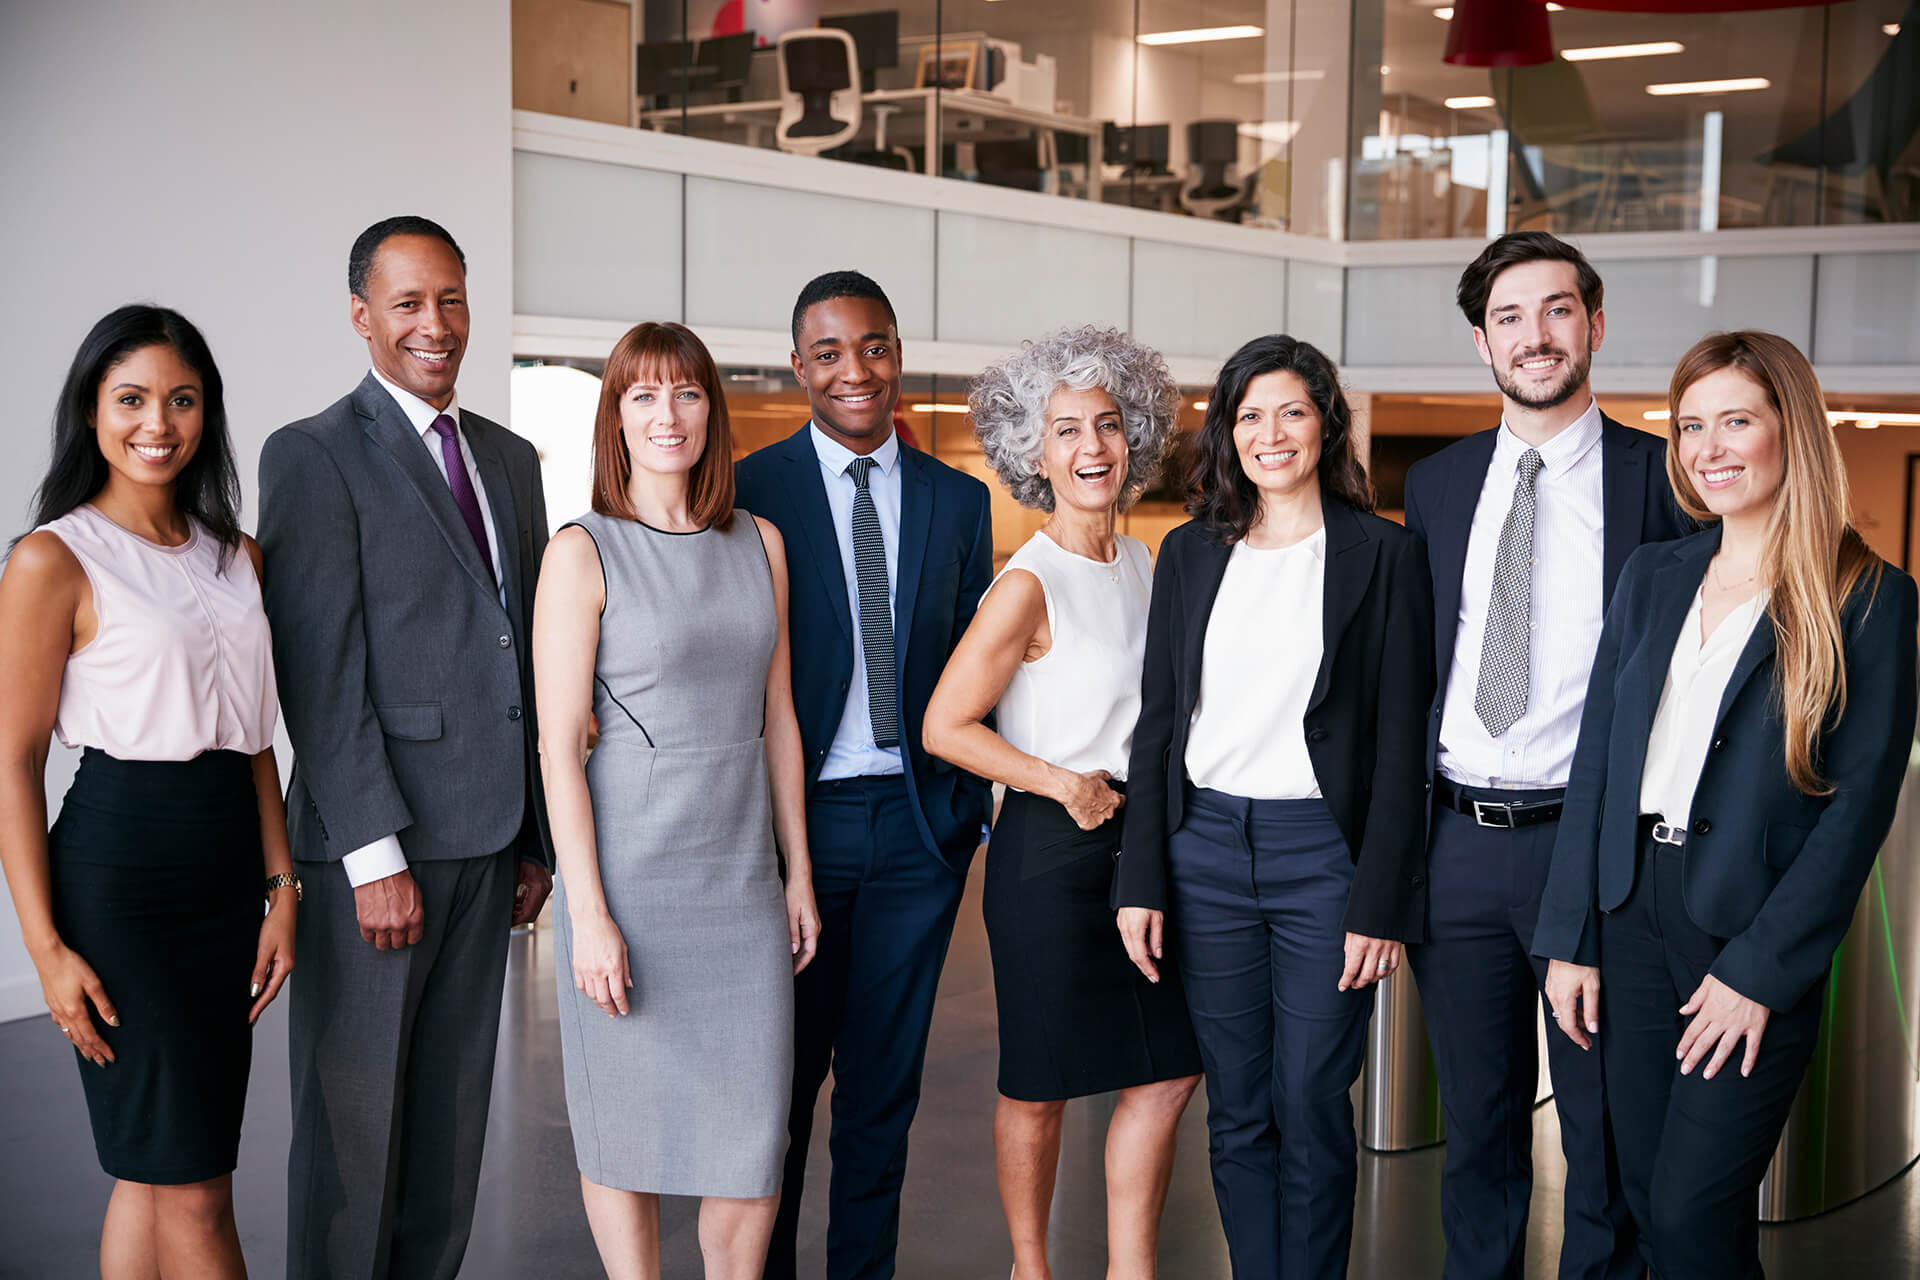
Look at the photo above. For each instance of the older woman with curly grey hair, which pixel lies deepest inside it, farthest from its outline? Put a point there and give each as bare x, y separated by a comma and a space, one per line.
1076, 425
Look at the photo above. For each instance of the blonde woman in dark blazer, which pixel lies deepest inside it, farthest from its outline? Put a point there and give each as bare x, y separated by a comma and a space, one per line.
1746, 733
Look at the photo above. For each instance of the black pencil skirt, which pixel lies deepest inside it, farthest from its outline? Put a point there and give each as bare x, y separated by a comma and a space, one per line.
157, 873
1076, 1017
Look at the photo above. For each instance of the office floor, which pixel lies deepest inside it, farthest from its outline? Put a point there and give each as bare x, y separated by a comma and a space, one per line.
530, 1221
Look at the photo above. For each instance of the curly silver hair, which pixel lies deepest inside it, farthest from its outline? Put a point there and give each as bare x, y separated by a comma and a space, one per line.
1008, 404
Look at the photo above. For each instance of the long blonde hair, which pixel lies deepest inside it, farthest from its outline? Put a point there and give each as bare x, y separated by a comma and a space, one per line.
1812, 558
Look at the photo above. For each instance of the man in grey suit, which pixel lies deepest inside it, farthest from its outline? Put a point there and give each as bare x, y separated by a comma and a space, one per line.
402, 539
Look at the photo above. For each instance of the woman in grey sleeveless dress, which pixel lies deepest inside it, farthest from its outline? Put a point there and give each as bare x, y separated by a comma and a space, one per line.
663, 612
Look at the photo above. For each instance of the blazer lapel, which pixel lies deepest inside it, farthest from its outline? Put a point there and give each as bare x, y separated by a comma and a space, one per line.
916, 516
1623, 500
1672, 593
1447, 539
1196, 597
1349, 571
1760, 647
502, 501
390, 430
808, 493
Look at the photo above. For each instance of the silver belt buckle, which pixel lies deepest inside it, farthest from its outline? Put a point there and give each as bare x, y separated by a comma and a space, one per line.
1483, 808
1667, 833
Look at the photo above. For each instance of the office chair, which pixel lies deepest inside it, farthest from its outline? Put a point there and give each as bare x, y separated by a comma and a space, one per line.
1213, 154
819, 90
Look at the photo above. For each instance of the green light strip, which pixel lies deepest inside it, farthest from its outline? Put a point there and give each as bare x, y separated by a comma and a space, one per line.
1893, 968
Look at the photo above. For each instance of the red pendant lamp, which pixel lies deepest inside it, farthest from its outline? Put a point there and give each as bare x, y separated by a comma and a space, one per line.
1686, 6
1498, 33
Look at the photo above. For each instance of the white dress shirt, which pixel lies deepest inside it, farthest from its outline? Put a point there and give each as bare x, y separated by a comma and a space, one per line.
383, 857
1689, 704
1262, 655
854, 753
1566, 608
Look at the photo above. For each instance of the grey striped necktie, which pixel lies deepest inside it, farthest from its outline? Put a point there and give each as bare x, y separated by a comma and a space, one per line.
876, 611
1501, 698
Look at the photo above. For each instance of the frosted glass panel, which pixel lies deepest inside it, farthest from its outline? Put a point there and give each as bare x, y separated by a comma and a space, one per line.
1656, 310
1202, 302
1869, 309
1002, 281
1405, 316
594, 241
750, 250
1316, 303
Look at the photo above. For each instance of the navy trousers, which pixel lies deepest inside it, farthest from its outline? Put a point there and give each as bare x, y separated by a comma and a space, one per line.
1692, 1150
1479, 985
862, 1009
1259, 889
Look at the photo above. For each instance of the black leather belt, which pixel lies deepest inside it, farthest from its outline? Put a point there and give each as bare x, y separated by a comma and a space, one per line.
1490, 810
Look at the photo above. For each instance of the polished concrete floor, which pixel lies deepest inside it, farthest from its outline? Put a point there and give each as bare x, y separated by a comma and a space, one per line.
530, 1222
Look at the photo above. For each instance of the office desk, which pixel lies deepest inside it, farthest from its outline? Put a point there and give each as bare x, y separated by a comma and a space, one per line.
758, 118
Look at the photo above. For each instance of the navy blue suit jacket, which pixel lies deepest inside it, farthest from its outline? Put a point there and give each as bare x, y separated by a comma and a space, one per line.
944, 563
1774, 871
1636, 506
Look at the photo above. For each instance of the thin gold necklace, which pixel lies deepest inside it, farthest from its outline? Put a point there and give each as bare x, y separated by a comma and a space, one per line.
1721, 583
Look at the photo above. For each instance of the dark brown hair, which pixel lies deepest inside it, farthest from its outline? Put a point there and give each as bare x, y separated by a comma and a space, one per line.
669, 353
1218, 488
1511, 250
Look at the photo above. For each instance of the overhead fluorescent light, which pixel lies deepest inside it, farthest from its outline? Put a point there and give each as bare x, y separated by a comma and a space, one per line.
1473, 103
938, 408
1869, 421
1709, 86
1280, 77
1656, 415
1280, 131
1445, 15
1201, 405
1890, 28
1200, 35
1385, 70
1600, 53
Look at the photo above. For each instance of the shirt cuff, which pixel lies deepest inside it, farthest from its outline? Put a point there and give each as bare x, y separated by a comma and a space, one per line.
374, 861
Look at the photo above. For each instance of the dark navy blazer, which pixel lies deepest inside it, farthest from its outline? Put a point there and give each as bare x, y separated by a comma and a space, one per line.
943, 564
1775, 872
1363, 720
1443, 491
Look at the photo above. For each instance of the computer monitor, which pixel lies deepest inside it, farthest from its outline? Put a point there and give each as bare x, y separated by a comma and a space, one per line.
669, 67
1139, 148
876, 40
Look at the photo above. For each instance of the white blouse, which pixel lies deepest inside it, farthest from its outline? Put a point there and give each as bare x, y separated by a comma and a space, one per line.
1075, 705
1689, 704
1257, 668
180, 661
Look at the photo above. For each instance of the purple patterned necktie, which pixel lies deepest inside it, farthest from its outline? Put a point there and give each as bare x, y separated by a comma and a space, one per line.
463, 495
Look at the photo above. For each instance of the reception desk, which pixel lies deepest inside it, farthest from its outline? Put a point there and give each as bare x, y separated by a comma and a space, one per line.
1856, 1123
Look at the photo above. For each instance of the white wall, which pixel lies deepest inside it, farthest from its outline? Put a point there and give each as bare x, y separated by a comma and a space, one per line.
222, 163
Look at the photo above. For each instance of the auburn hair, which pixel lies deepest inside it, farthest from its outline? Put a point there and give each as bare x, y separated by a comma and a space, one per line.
665, 353
1812, 559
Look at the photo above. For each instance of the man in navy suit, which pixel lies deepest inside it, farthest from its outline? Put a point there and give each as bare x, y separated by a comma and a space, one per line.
890, 552
1526, 527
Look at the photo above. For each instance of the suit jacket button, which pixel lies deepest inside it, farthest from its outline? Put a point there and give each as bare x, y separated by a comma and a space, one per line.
1719, 743
843, 686
1416, 881
513, 713
506, 642
1701, 827
1318, 735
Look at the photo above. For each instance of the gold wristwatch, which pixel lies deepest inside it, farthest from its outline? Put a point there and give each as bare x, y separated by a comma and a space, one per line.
281, 881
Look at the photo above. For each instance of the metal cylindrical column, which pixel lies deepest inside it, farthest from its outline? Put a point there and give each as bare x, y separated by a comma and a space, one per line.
1400, 1102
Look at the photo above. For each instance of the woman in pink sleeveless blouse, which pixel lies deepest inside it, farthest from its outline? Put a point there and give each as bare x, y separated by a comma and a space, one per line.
131, 626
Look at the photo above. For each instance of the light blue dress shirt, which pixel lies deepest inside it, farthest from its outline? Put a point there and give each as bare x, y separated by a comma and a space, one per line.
854, 753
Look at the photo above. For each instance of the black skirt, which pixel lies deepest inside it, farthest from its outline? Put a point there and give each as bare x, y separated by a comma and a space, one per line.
1076, 1017
157, 873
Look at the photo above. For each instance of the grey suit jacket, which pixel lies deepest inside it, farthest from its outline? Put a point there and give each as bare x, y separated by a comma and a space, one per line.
407, 688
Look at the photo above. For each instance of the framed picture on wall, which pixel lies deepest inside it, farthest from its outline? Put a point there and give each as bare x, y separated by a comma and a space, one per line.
945, 66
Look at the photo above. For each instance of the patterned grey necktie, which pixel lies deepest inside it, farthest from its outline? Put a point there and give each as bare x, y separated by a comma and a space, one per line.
876, 612
1501, 697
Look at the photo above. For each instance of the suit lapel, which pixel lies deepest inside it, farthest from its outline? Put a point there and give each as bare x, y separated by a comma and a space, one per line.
390, 429
916, 516
1197, 595
1349, 571
1672, 594
1447, 538
497, 485
1761, 646
808, 493
1623, 500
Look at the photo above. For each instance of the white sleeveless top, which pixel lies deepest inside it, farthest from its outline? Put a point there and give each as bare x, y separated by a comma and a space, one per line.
1075, 706
181, 662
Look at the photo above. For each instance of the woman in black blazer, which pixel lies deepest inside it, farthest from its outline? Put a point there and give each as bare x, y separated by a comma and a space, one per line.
1746, 734
1275, 812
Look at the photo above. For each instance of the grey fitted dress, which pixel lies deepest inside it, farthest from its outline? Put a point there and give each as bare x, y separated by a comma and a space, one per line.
687, 1094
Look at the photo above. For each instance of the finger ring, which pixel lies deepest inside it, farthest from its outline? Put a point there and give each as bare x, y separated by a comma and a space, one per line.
1381, 967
